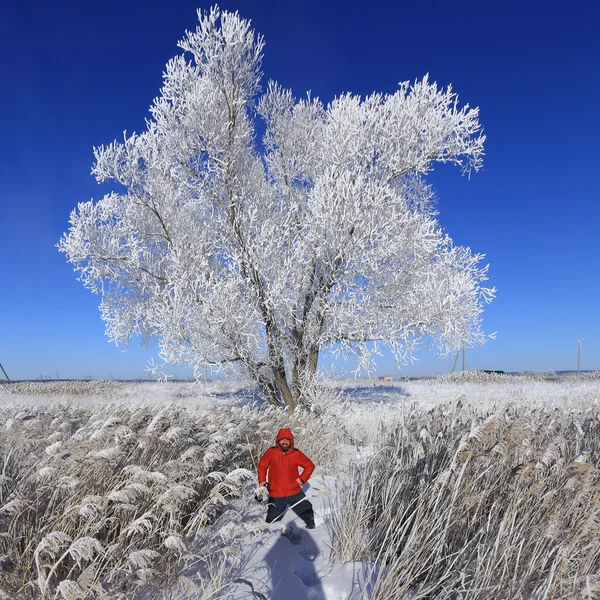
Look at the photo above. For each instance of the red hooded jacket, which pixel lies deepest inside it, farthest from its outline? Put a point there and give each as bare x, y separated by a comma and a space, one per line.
283, 467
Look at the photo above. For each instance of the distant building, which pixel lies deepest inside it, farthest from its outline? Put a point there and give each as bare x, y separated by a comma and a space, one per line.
386, 378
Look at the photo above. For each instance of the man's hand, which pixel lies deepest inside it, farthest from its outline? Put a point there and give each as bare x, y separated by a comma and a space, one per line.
299, 482
261, 493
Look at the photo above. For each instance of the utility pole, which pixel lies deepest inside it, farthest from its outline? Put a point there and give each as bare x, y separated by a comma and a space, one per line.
579, 355
463, 361
5, 375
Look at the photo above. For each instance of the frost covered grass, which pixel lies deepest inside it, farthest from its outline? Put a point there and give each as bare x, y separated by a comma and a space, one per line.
482, 500
105, 501
474, 489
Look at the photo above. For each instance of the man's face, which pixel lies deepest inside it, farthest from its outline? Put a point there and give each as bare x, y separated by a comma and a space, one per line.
285, 444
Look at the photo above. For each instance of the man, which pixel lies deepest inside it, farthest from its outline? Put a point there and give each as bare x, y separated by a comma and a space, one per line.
285, 482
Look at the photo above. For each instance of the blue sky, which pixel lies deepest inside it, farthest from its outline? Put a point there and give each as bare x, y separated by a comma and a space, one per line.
76, 75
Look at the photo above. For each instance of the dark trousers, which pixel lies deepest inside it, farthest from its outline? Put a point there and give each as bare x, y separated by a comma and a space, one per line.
303, 509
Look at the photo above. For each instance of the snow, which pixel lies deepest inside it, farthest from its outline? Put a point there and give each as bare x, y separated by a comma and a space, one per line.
361, 395
282, 567
287, 568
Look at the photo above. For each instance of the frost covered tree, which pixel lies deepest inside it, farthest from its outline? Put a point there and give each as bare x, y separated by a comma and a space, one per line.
230, 250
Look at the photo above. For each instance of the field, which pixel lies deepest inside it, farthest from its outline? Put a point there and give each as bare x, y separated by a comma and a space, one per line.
468, 487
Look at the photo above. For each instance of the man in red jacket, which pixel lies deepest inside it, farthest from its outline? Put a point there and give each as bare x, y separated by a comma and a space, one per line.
284, 481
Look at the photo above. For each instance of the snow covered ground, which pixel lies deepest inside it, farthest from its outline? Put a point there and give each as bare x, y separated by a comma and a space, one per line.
296, 566
286, 561
481, 395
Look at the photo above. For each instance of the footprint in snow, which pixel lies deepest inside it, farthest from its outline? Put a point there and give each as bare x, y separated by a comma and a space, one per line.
306, 574
307, 554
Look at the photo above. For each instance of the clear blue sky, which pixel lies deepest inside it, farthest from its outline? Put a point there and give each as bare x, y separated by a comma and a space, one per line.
76, 75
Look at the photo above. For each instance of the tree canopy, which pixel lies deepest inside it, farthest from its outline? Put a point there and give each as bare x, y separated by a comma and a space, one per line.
230, 250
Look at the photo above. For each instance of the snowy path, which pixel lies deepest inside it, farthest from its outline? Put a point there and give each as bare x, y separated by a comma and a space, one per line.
281, 568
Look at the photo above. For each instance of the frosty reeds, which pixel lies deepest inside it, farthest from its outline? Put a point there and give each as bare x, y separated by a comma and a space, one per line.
471, 498
501, 507
109, 500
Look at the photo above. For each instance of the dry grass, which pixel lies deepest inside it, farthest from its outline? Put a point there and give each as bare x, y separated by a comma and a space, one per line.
105, 503
463, 501
457, 506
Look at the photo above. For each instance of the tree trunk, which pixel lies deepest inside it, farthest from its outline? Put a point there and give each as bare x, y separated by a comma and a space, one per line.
313, 359
299, 376
284, 389
276, 389
268, 390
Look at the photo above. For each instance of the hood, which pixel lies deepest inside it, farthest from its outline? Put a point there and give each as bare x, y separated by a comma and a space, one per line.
285, 433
